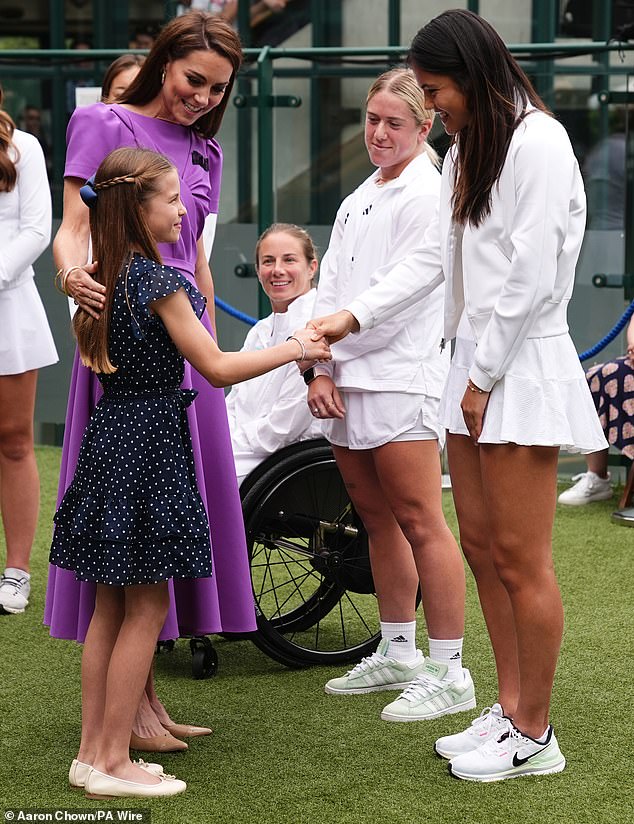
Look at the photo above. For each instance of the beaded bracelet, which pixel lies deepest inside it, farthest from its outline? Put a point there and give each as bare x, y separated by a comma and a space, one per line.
471, 385
303, 348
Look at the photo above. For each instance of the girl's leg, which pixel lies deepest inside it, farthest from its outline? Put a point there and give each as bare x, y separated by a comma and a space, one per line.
393, 567
409, 475
100, 640
19, 480
145, 611
520, 492
475, 532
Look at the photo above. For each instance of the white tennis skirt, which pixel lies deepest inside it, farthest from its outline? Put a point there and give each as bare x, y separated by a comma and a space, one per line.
373, 419
26, 341
543, 399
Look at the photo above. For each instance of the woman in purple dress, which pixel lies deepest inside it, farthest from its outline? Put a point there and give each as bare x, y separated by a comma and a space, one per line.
175, 106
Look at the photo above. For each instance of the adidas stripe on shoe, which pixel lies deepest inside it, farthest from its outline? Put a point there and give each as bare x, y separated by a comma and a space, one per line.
376, 673
431, 694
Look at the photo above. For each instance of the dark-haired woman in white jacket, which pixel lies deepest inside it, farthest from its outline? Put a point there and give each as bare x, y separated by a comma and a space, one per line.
510, 227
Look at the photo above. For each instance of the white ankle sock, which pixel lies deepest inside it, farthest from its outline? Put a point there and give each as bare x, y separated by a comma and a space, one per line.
14, 572
448, 651
402, 640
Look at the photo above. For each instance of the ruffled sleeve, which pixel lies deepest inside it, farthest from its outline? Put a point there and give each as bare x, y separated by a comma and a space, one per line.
149, 281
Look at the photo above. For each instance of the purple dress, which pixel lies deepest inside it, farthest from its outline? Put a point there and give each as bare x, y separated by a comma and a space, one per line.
223, 602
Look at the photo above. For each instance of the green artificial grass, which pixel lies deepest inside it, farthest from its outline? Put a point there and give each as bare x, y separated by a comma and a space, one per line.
283, 752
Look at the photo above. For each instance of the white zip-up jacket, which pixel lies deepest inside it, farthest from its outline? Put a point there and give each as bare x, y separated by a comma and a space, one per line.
270, 411
518, 266
25, 213
375, 229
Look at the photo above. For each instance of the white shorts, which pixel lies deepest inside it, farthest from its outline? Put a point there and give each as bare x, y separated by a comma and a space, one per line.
373, 419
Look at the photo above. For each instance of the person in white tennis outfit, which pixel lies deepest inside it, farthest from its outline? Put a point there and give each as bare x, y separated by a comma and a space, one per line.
506, 242
26, 345
380, 401
269, 412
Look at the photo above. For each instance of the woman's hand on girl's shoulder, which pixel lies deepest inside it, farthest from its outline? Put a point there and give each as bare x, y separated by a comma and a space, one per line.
84, 290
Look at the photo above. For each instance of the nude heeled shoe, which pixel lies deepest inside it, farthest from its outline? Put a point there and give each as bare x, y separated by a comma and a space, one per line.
157, 743
186, 730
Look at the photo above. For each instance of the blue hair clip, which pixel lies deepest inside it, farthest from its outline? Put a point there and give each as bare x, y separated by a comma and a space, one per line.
88, 193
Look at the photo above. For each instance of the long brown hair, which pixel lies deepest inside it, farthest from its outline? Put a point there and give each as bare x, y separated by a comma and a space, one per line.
124, 181
193, 31
463, 46
8, 171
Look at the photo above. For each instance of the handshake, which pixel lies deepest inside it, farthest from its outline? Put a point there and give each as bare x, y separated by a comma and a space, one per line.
319, 333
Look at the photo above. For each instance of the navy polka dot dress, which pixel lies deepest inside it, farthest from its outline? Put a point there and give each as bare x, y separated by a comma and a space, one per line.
133, 513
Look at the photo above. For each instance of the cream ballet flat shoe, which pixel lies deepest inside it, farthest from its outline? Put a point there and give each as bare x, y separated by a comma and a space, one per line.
102, 786
79, 772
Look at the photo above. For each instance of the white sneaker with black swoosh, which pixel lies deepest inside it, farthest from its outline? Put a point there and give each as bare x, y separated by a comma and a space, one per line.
511, 755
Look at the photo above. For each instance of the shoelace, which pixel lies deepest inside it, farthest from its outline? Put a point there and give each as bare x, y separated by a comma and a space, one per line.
367, 664
511, 734
487, 717
423, 686
15, 583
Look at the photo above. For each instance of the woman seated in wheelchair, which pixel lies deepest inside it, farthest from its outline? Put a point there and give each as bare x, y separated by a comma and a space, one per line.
270, 412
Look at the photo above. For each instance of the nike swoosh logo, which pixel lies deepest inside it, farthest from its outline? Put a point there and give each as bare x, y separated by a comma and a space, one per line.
517, 762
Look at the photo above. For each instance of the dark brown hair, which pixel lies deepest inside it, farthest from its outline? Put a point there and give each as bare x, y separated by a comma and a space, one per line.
8, 171
463, 46
123, 62
124, 181
193, 31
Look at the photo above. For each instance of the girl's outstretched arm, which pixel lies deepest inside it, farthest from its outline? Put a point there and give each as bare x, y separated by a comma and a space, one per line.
226, 368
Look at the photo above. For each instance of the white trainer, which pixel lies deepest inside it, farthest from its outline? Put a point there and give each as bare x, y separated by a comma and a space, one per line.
512, 755
14, 591
431, 694
375, 673
589, 487
491, 723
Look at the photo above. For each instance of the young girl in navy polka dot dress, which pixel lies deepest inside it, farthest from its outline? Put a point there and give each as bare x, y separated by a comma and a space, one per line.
133, 518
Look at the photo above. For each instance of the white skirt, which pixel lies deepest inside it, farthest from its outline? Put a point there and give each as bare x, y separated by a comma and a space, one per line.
26, 341
543, 399
373, 419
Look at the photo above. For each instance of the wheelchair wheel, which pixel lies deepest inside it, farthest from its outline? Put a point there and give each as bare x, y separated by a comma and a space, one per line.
310, 568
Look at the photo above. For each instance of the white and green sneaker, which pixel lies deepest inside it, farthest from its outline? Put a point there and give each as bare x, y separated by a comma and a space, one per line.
511, 755
490, 724
376, 673
431, 694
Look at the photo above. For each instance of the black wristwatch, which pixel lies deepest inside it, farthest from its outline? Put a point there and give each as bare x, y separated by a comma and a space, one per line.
309, 375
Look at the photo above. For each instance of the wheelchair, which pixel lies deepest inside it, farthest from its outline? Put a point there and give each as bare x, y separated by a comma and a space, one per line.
310, 567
